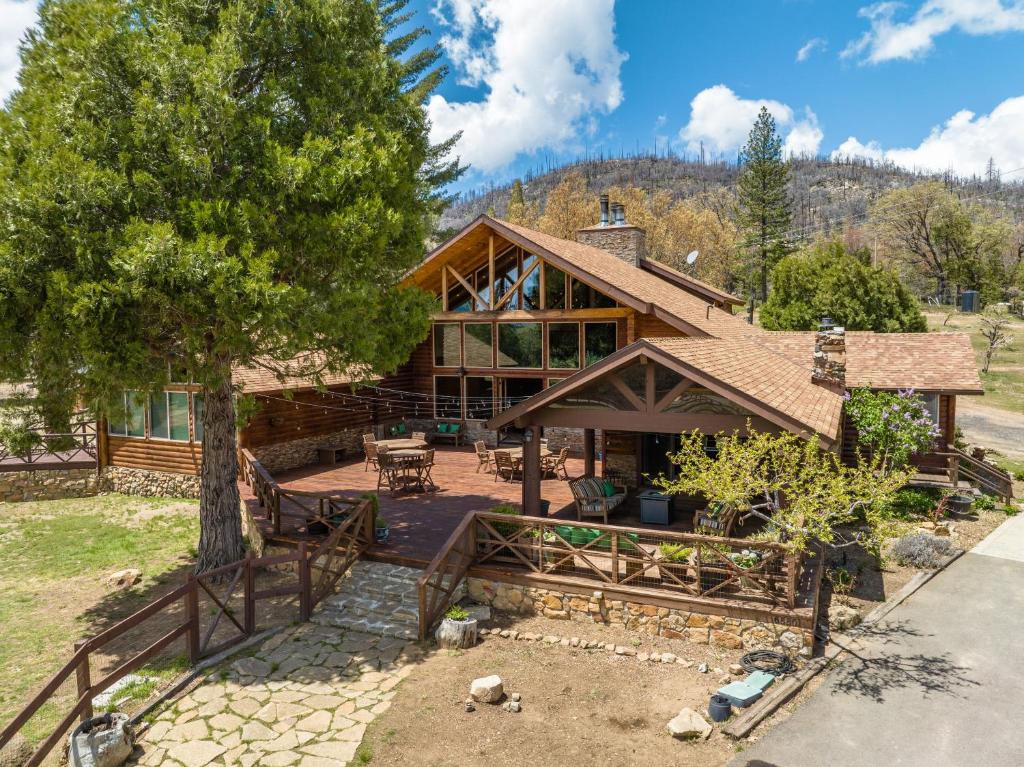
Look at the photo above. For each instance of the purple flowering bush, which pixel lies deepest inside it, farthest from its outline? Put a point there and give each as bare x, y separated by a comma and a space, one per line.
892, 426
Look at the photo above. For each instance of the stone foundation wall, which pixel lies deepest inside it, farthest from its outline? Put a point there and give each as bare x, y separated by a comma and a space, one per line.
732, 633
302, 452
120, 479
47, 484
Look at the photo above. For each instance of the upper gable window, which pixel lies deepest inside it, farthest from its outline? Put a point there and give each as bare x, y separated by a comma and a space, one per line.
554, 287
459, 299
586, 297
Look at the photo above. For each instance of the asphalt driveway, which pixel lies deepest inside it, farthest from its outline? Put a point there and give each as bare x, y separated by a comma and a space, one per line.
938, 682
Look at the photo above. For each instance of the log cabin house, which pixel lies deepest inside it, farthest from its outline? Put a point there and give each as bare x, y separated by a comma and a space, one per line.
534, 331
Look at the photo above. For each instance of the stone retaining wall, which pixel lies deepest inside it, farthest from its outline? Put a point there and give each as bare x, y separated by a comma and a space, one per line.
47, 484
731, 633
302, 452
121, 479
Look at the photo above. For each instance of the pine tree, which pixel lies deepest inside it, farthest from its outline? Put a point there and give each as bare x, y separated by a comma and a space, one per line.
194, 186
764, 205
520, 211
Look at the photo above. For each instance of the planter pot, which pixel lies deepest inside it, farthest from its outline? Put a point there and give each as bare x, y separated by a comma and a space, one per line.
381, 534
719, 708
960, 504
456, 635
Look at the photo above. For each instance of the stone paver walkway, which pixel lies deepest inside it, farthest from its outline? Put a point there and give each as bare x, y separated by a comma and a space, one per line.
303, 698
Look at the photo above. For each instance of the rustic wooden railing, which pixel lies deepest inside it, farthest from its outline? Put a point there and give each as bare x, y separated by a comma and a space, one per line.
78, 444
988, 478
699, 568
310, 575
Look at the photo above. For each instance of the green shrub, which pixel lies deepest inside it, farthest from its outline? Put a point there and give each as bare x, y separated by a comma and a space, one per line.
911, 503
675, 552
984, 503
457, 613
504, 528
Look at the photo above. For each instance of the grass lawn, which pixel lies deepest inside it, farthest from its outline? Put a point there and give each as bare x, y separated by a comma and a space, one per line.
1004, 383
54, 558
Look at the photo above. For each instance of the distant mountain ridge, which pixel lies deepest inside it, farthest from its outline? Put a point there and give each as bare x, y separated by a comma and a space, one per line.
825, 193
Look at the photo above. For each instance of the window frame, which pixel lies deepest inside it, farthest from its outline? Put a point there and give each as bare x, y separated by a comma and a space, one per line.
433, 345
497, 345
583, 340
466, 396
194, 417
494, 344
579, 343
461, 395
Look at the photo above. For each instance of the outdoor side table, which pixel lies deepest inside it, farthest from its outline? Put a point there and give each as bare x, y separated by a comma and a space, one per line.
329, 456
655, 508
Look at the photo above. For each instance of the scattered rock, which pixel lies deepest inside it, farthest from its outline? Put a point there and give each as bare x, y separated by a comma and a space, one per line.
689, 725
623, 650
736, 669
470, 707
513, 706
124, 579
251, 667
642, 656
724, 679
516, 697
703, 668
487, 689
806, 652
667, 657
842, 617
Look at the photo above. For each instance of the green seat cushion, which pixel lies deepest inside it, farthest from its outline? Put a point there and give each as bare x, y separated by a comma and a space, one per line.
453, 428
401, 428
442, 428
609, 488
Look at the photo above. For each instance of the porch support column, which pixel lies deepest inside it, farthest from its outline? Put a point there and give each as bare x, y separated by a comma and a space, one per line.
531, 472
588, 452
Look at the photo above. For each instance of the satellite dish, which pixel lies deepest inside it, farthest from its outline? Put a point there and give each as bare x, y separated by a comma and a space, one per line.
691, 259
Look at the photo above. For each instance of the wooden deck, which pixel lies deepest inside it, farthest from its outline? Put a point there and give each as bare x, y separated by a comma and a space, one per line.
421, 522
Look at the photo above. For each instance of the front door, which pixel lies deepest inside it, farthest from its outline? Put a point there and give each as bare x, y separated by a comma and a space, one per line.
654, 452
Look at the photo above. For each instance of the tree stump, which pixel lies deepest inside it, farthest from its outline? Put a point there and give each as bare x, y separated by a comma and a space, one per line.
456, 635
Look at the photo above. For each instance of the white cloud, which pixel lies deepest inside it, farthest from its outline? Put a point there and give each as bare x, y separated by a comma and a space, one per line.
17, 15
890, 39
547, 68
963, 144
812, 45
722, 121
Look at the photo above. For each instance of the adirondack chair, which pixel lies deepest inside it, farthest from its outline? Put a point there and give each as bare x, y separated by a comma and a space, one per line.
718, 518
504, 466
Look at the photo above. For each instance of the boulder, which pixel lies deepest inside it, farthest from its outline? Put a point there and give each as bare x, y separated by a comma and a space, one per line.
689, 725
842, 617
487, 689
124, 579
108, 743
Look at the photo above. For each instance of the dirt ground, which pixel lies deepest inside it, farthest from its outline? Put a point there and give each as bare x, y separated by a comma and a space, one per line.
579, 706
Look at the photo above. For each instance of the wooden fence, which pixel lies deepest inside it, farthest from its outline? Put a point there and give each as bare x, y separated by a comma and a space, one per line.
647, 563
76, 445
312, 575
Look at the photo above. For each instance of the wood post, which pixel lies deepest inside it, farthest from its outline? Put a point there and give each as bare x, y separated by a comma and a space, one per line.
82, 677
249, 619
192, 616
588, 452
305, 586
531, 472
276, 511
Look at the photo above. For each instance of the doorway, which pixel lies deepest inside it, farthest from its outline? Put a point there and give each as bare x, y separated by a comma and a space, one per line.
512, 391
654, 452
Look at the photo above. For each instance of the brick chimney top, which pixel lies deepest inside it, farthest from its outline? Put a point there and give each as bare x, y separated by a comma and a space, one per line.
613, 235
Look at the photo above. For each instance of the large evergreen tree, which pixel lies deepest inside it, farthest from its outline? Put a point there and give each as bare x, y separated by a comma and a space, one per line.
764, 206
828, 280
187, 186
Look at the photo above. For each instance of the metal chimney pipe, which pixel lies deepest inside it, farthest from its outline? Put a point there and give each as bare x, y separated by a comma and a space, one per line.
615, 214
604, 210
622, 214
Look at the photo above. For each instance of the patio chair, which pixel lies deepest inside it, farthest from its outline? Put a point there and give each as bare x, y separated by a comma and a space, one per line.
368, 437
504, 466
590, 498
389, 471
426, 481
717, 519
483, 455
420, 435
555, 464
371, 449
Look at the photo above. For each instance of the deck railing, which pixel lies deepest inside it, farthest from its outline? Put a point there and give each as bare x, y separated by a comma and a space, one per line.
697, 568
77, 444
210, 612
986, 477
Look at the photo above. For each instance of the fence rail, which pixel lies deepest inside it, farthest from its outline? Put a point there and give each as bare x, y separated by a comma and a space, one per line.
985, 476
310, 575
78, 444
697, 567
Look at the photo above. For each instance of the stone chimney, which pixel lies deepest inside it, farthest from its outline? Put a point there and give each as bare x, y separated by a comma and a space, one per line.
830, 355
614, 235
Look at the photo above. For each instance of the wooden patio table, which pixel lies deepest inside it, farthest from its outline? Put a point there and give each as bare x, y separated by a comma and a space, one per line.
402, 444
516, 454
410, 461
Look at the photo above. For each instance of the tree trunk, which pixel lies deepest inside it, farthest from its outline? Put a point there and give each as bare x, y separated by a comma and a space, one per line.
220, 522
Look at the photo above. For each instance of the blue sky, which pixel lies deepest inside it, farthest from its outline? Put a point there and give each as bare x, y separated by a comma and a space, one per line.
930, 84
936, 84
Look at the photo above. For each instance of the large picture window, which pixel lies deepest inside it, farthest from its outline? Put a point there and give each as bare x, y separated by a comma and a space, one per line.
447, 352
506, 272
519, 345
447, 397
168, 415
135, 410
479, 397
531, 285
598, 341
479, 344
459, 299
564, 345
